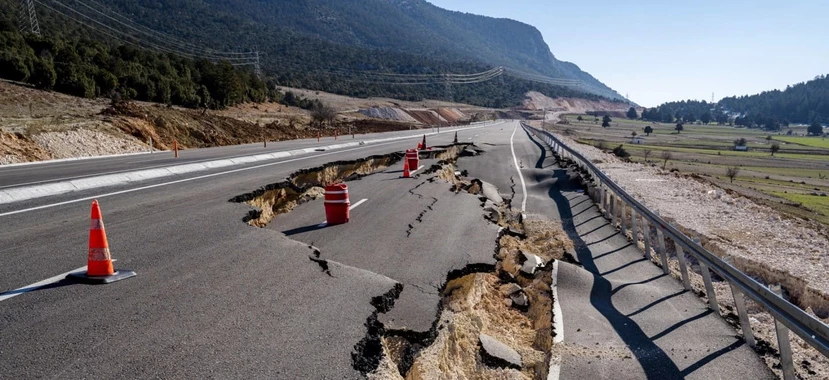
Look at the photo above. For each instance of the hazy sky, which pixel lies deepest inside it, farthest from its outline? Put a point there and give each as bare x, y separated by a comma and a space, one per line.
666, 50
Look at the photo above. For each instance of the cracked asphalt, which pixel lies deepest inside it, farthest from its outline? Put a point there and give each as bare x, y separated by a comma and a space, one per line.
622, 318
214, 297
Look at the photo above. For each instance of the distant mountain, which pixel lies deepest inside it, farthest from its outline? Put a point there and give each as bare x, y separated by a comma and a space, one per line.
282, 28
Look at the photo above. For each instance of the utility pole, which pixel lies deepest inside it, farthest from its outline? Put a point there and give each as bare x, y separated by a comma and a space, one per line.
28, 18
448, 89
258, 69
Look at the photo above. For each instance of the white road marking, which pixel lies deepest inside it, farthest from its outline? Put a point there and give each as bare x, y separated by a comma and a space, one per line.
185, 180
413, 172
28, 288
558, 326
325, 223
50, 187
518, 168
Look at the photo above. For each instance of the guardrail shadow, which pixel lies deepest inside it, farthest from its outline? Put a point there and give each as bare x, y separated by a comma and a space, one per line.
654, 361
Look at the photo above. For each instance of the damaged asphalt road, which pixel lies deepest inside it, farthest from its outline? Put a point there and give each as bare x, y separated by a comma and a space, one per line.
413, 230
217, 298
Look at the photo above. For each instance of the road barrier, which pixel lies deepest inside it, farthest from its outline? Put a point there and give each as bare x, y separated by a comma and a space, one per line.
337, 204
613, 200
412, 159
99, 269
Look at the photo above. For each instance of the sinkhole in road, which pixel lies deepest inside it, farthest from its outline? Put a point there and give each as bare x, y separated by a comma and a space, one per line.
308, 184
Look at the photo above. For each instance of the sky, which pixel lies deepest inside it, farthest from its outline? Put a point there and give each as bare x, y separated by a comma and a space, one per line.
659, 51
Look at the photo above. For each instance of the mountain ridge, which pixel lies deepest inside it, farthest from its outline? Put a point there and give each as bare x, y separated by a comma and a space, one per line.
404, 26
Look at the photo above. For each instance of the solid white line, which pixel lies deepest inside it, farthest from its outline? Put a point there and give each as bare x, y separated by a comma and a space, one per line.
178, 169
185, 180
28, 288
518, 168
325, 223
558, 326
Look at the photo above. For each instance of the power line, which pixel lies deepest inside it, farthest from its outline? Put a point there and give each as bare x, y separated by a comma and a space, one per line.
121, 35
161, 37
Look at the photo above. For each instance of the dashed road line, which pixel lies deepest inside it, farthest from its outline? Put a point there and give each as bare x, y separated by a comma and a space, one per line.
364, 200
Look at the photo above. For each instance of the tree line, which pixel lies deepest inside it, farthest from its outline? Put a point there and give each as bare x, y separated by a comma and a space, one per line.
73, 60
805, 102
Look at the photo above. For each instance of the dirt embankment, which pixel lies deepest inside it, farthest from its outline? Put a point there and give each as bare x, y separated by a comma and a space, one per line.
537, 101
40, 125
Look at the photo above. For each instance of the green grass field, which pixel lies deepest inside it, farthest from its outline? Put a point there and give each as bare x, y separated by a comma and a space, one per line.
817, 204
816, 142
800, 168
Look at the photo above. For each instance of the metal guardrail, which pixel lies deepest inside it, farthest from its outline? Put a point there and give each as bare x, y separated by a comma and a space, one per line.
787, 315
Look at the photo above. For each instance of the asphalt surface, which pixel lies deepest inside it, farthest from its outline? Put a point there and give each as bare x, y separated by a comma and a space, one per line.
215, 297
622, 318
45, 172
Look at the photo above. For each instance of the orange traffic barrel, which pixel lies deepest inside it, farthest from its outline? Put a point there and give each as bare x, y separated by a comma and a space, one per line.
413, 159
337, 204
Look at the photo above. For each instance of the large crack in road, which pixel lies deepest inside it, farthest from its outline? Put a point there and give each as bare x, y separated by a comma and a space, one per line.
502, 301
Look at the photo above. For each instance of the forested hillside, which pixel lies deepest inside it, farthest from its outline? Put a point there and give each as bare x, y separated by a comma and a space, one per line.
415, 27
805, 103
75, 55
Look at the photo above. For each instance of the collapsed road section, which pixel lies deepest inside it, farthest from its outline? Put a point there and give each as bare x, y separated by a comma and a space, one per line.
474, 295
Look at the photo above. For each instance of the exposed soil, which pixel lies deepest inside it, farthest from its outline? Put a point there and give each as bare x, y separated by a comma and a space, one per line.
39, 125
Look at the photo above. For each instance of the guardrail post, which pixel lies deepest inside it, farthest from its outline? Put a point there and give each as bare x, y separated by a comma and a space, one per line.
634, 228
614, 205
742, 312
622, 221
605, 202
709, 285
663, 253
646, 235
151, 144
683, 266
783, 343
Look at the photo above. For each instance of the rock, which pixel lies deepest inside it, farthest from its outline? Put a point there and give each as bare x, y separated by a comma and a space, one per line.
520, 300
531, 264
509, 289
497, 354
492, 214
512, 231
491, 192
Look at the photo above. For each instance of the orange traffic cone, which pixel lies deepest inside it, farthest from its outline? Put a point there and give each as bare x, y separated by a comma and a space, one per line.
424, 142
406, 173
99, 268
